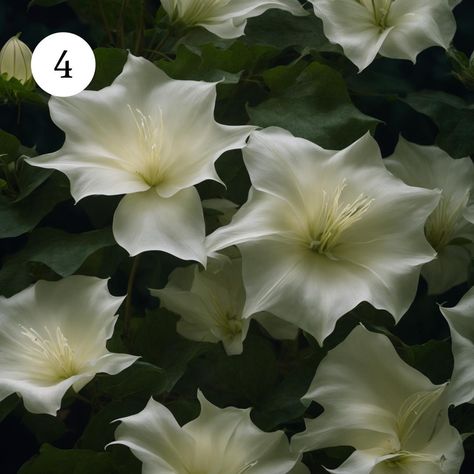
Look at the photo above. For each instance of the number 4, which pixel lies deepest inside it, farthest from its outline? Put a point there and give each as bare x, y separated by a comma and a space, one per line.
66, 69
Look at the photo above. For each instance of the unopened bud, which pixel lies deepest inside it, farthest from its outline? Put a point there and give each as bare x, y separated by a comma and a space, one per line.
15, 60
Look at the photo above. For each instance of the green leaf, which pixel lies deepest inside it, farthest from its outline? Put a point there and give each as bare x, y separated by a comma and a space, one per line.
433, 358
244, 379
52, 460
17, 218
158, 342
188, 65
100, 430
316, 107
62, 252
109, 64
141, 380
45, 3
282, 30
9, 145
12, 90
7, 405
453, 117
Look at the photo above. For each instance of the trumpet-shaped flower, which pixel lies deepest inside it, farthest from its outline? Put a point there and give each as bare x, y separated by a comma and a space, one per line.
394, 28
149, 137
325, 230
393, 416
53, 336
447, 229
224, 18
211, 304
219, 441
461, 323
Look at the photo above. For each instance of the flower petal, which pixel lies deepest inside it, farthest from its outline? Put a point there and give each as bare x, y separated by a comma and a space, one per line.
361, 392
350, 24
234, 435
417, 25
461, 322
147, 221
155, 437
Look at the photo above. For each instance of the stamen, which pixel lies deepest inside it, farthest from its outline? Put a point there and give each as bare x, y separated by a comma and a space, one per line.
334, 218
148, 163
54, 349
193, 12
380, 10
412, 411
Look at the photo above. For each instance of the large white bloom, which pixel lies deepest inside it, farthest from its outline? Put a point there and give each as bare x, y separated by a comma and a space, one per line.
447, 229
149, 137
393, 416
461, 323
325, 230
219, 441
53, 336
394, 28
211, 304
224, 18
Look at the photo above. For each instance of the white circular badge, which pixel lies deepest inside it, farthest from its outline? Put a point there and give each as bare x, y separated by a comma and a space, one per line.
63, 64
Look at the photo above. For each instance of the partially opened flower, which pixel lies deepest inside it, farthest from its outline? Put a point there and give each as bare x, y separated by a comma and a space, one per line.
393, 416
447, 229
15, 60
393, 28
219, 441
224, 18
325, 230
461, 323
53, 336
211, 304
149, 137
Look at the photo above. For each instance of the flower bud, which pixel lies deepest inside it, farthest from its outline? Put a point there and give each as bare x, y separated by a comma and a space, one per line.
15, 60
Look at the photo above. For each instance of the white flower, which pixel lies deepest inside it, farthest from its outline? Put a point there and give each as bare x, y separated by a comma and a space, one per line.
394, 28
53, 336
211, 304
325, 230
15, 60
149, 137
393, 416
461, 323
219, 441
224, 18
447, 229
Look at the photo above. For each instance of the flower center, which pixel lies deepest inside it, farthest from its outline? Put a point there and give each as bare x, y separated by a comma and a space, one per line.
53, 351
380, 10
334, 218
226, 319
148, 162
195, 11
444, 221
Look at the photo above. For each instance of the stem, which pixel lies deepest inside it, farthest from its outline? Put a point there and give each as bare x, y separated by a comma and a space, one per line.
106, 23
128, 301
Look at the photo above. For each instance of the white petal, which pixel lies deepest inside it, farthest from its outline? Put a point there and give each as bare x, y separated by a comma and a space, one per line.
255, 219
448, 269
461, 322
348, 23
305, 289
361, 391
417, 25
234, 441
155, 437
147, 221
